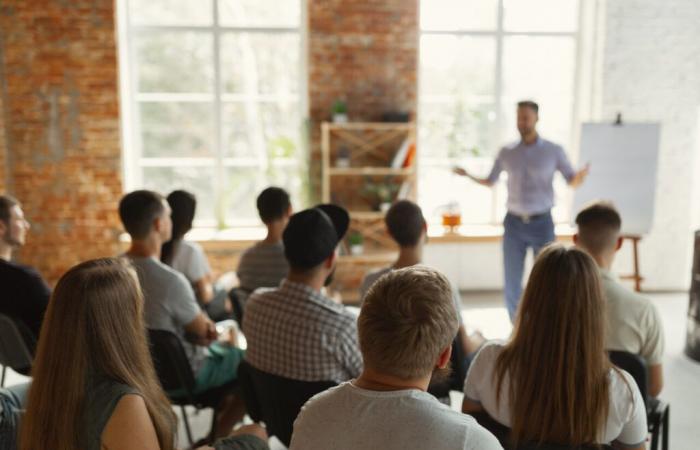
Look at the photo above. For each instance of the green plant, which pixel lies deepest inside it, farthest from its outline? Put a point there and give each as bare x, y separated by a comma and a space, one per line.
355, 238
339, 107
380, 192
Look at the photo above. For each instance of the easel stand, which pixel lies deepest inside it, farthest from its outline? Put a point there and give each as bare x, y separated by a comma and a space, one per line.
635, 276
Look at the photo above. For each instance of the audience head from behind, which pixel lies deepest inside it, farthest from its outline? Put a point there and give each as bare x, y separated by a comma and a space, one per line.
91, 355
405, 328
406, 224
274, 205
146, 217
599, 226
13, 226
553, 382
310, 242
183, 206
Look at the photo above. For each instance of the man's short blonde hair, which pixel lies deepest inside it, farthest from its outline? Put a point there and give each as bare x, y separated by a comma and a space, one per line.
407, 319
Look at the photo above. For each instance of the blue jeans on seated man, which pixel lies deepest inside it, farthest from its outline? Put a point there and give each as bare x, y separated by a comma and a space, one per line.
520, 235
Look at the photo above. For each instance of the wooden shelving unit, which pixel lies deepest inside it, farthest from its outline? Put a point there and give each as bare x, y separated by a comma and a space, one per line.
370, 149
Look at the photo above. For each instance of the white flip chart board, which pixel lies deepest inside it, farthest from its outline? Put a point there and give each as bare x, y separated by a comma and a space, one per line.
623, 161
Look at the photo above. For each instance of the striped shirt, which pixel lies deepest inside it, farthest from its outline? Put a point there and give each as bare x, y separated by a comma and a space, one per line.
296, 332
263, 265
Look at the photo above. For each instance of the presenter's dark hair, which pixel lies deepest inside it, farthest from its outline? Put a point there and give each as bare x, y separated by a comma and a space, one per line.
405, 223
529, 104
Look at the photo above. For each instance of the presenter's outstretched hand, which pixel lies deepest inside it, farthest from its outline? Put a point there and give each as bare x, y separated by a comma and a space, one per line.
459, 171
580, 176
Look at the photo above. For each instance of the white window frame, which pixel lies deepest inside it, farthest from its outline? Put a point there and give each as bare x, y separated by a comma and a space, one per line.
585, 9
133, 162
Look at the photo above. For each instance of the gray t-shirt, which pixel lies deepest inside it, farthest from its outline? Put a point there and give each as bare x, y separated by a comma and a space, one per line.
101, 398
169, 303
347, 417
373, 276
190, 260
262, 265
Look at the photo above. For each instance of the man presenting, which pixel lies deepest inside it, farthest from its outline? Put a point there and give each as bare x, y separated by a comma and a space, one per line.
530, 164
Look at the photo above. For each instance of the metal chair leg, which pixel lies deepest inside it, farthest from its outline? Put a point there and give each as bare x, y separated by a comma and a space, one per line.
665, 431
214, 416
2, 382
187, 426
655, 435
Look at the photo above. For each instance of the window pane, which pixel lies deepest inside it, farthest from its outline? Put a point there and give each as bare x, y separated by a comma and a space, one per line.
198, 180
267, 13
458, 14
265, 130
457, 65
457, 129
540, 15
171, 12
174, 62
177, 129
255, 63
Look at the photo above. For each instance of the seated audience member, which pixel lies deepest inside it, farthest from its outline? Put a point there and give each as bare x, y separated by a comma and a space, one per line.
25, 294
170, 303
264, 264
407, 226
552, 381
294, 331
406, 327
634, 324
94, 383
189, 259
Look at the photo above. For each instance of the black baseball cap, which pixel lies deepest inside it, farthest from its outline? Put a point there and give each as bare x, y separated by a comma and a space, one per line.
312, 235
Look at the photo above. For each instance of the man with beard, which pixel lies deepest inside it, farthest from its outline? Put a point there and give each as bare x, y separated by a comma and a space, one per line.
25, 294
295, 331
530, 164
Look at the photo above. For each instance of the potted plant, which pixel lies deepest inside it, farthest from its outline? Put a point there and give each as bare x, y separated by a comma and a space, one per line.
355, 242
380, 194
340, 111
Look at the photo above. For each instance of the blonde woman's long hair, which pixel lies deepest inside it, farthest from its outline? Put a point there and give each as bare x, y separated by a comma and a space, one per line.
556, 359
94, 325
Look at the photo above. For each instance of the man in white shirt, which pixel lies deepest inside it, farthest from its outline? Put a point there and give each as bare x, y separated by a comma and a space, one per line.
406, 327
634, 324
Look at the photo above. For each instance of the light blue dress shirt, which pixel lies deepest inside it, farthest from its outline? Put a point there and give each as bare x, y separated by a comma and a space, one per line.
531, 170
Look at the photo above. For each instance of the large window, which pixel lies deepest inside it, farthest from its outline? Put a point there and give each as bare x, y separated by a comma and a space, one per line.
213, 101
477, 59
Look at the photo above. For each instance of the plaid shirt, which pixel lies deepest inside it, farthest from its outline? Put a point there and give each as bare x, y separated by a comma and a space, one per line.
295, 332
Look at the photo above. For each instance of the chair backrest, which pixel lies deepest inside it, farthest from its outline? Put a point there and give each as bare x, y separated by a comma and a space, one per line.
171, 363
502, 433
15, 351
276, 400
635, 366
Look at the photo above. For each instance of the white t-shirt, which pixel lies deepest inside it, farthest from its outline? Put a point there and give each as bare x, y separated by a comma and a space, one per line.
627, 417
347, 417
190, 260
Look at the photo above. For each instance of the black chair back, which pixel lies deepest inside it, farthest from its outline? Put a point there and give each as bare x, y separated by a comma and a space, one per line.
502, 433
276, 400
635, 366
171, 363
15, 350
455, 382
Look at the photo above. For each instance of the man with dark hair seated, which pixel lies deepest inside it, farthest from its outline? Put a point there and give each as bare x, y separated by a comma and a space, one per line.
170, 303
407, 226
264, 264
25, 294
406, 327
295, 331
634, 324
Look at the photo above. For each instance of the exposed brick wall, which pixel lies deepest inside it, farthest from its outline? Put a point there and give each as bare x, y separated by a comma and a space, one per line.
4, 169
364, 52
62, 127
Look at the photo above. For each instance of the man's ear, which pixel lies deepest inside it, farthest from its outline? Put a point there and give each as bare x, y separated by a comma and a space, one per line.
618, 245
576, 239
3, 228
328, 263
157, 224
444, 358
